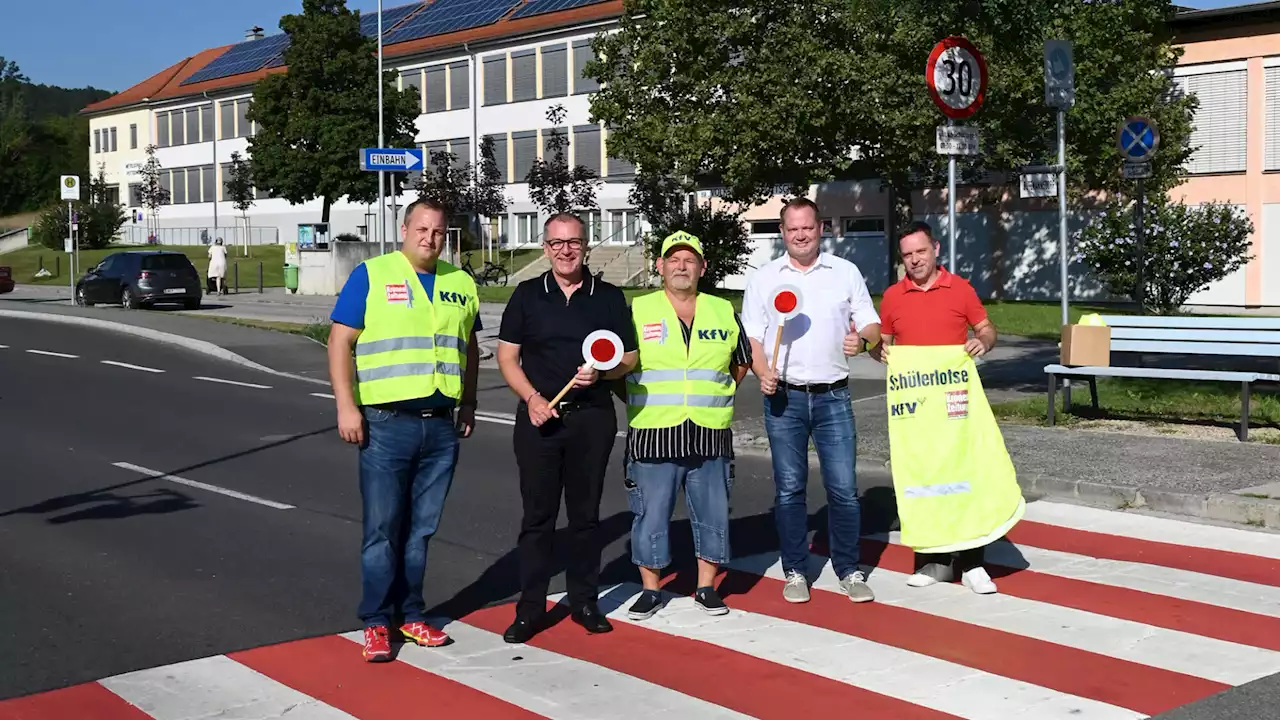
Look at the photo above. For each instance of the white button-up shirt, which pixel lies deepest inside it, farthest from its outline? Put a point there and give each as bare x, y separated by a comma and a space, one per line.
834, 295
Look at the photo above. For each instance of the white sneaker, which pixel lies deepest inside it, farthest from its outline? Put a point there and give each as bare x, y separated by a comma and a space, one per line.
797, 588
931, 574
978, 581
855, 586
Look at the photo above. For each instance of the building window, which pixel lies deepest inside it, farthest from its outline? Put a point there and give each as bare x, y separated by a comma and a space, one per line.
114, 147
433, 148
208, 183
555, 71
500, 156
412, 79
167, 186
461, 149
619, 167
206, 123
1272, 155
767, 227
548, 137
582, 53
193, 125
133, 137
162, 129
437, 98
495, 80
135, 194
1219, 132
97, 141
624, 226
527, 228
459, 86
228, 121
524, 151
178, 186
864, 226
586, 147
243, 128
113, 195
524, 76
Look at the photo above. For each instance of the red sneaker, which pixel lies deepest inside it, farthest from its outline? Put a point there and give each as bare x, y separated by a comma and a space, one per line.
377, 644
423, 634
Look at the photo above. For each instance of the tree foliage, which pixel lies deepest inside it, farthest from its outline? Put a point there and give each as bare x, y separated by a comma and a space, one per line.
151, 193
664, 204
240, 184
1185, 249
314, 119
98, 219
467, 191
553, 185
752, 95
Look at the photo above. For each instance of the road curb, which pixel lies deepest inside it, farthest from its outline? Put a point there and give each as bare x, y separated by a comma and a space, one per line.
201, 346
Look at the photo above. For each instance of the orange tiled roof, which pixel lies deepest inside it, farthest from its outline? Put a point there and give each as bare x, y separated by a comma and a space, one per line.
167, 84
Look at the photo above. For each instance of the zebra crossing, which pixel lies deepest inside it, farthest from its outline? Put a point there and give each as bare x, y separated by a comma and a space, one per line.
1100, 615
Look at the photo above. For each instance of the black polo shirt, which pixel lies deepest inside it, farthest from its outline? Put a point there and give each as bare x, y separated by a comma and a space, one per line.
550, 329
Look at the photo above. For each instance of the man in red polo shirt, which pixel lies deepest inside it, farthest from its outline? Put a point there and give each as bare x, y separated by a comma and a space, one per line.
931, 306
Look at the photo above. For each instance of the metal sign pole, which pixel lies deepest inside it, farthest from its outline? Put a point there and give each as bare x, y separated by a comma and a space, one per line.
1062, 213
1141, 256
952, 234
382, 205
71, 268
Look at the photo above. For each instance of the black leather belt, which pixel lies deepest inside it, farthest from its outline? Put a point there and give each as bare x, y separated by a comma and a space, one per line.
440, 412
818, 387
570, 407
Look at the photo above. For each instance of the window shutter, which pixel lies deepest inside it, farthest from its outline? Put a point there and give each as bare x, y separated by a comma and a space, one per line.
1220, 122
461, 149
586, 147
555, 71
193, 125
524, 76
436, 97
582, 53
524, 150
206, 123
1273, 119
228, 121
500, 155
495, 80
459, 86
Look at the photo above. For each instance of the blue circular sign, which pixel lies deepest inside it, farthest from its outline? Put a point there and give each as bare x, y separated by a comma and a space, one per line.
1138, 139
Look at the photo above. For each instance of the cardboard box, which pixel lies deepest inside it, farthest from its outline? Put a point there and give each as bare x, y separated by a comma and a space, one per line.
1086, 345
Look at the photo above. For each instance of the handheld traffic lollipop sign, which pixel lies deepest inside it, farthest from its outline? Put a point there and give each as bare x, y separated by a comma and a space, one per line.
601, 350
788, 301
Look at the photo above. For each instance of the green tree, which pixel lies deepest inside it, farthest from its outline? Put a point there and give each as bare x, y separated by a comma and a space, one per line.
467, 191
152, 194
1185, 249
98, 219
667, 207
753, 95
240, 190
553, 185
314, 119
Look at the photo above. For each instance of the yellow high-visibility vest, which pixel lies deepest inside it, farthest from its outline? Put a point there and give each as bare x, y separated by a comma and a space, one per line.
412, 345
671, 384
955, 484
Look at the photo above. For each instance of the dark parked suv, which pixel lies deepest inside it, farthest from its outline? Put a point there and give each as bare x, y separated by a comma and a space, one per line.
139, 279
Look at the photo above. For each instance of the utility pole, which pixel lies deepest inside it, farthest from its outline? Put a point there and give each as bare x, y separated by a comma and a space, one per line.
382, 203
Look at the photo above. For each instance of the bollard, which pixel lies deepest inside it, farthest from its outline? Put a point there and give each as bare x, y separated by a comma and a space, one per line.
57, 266
259, 277
41, 262
236, 272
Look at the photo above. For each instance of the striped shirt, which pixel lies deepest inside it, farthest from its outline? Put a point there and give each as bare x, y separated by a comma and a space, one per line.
688, 439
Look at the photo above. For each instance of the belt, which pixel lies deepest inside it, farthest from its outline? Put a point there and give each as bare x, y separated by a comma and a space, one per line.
571, 407
442, 412
818, 387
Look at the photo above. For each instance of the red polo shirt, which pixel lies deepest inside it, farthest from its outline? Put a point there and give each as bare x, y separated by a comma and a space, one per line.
941, 315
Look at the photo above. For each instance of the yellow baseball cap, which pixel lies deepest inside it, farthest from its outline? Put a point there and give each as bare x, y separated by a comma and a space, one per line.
679, 238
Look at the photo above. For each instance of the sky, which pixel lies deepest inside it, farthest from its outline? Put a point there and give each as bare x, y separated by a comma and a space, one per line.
76, 43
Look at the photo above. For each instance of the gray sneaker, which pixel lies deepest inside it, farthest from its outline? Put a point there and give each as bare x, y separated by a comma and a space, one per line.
855, 584
797, 588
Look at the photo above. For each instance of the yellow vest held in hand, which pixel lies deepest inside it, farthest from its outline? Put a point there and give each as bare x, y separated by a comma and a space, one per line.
412, 345
955, 484
671, 384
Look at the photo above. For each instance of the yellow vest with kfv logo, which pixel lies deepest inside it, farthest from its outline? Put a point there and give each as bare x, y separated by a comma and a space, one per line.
670, 383
955, 484
412, 346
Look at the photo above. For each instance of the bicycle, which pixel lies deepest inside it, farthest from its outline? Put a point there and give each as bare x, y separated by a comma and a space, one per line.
491, 274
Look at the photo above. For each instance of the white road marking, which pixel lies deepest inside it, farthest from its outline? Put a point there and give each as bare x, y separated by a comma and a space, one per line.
4, 347
232, 382
495, 418
215, 686
873, 397
203, 486
52, 354
1157, 529
326, 396
548, 683
127, 366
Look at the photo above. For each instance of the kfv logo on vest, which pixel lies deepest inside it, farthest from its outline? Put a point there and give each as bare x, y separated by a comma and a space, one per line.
906, 409
455, 298
713, 334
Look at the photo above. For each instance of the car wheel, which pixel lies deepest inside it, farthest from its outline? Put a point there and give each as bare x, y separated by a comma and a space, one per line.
81, 299
191, 304
127, 300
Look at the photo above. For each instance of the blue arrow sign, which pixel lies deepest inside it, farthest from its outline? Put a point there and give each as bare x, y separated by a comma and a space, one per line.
390, 159
1138, 139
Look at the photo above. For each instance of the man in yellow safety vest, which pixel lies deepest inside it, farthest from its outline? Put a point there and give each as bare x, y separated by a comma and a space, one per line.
679, 409
410, 320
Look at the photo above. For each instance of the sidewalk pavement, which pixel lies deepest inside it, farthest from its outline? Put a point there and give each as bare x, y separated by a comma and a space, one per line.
1222, 480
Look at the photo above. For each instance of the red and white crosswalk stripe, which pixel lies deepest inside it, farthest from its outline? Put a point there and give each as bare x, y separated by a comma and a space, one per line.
1100, 615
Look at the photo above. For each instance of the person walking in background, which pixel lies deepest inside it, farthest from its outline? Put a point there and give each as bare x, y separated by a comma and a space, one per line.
561, 449
807, 397
932, 306
218, 266
679, 411
410, 319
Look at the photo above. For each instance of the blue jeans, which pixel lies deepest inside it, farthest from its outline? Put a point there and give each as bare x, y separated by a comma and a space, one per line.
791, 418
406, 468
651, 494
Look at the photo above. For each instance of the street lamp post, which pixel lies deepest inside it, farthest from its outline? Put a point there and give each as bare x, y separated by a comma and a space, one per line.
382, 205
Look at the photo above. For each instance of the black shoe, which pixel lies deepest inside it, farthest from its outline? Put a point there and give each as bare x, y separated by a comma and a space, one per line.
709, 600
645, 606
521, 631
589, 617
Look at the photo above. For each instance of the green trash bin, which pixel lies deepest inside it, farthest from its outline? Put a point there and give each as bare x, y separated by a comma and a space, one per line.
291, 278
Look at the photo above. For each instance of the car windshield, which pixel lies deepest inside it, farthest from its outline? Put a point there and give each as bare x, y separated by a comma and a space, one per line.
165, 262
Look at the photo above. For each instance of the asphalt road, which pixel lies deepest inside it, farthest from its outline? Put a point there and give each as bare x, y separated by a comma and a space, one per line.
108, 569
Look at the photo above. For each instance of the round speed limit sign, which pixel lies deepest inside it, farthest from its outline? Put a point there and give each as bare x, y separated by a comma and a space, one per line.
957, 77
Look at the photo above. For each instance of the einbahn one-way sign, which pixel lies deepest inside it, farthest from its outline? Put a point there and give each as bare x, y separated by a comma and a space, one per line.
390, 159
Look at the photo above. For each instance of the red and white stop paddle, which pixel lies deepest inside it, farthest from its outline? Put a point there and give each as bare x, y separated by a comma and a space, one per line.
601, 350
788, 301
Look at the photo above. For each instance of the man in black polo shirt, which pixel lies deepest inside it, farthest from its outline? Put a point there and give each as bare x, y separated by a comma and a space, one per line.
562, 448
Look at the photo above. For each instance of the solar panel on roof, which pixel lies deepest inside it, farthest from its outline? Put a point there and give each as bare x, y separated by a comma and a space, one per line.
446, 16
390, 16
538, 7
242, 58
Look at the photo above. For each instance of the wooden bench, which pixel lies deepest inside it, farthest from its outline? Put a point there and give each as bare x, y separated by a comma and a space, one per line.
1225, 337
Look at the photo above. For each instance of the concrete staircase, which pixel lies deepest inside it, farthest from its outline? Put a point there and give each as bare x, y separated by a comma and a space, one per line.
622, 265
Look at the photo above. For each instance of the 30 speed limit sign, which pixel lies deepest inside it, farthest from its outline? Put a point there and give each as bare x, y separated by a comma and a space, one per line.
957, 77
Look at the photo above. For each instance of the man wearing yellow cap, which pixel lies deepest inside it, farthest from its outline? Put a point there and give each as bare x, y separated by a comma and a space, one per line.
679, 409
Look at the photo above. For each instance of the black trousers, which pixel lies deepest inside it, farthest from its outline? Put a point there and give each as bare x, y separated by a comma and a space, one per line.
964, 560
566, 456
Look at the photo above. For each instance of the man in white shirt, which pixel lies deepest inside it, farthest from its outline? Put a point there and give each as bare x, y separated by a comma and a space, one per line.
807, 395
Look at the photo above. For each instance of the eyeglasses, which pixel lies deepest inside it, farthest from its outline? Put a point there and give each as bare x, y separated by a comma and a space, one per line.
557, 244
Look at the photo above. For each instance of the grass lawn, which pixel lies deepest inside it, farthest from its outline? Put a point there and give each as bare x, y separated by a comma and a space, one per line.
1153, 400
1042, 320
27, 261
316, 331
